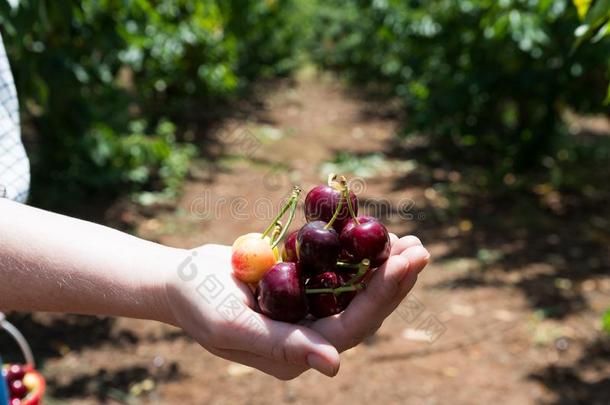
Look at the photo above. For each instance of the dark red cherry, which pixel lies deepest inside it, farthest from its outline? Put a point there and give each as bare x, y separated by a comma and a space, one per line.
17, 389
367, 239
322, 304
289, 253
281, 293
322, 201
318, 248
326, 304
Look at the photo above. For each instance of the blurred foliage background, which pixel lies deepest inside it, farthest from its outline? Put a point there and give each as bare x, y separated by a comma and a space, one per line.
488, 83
106, 85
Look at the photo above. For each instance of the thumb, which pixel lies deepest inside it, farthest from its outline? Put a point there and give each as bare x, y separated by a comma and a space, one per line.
284, 343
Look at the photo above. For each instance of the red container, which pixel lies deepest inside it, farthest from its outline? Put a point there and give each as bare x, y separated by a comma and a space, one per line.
35, 384
32, 380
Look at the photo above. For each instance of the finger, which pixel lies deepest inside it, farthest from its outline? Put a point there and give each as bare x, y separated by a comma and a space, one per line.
418, 257
281, 371
282, 342
393, 238
403, 244
365, 314
402, 280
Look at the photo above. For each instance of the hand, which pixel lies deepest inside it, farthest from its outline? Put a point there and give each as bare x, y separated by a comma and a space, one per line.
197, 296
216, 310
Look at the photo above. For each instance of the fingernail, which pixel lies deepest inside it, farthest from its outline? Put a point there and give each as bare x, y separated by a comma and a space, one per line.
317, 362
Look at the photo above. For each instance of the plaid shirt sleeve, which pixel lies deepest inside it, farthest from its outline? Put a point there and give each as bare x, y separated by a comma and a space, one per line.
14, 164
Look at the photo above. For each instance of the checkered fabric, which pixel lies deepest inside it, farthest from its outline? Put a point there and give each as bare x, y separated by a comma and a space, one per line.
14, 164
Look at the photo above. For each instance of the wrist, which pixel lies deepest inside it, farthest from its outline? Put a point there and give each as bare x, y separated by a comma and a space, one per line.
158, 284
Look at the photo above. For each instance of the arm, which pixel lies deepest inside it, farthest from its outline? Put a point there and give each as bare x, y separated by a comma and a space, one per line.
50, 262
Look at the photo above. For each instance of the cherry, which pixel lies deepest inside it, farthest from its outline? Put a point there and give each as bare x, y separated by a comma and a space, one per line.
282, 293
326, 304
289, 253
322, 201
15, 401
345, 297
318, 248
323, 304
365, 237
15, 372
17, 389
252, 255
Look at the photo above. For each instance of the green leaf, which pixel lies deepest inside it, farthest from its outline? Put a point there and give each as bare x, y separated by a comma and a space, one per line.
602, 32
599, 11
606, 321
582, 6
595, 25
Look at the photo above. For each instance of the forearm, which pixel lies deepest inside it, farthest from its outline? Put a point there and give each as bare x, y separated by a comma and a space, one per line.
50, 262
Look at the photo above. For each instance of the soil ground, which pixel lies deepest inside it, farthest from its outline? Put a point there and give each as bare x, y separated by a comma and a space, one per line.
497, 317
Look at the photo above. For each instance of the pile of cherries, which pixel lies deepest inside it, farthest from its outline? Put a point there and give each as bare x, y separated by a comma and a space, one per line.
322, 265
25, 385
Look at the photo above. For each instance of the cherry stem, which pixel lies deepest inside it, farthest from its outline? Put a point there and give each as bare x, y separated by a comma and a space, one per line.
293, 210
363, 267
291, 201
336, 213
331, 179
348, 265
349, 200
277, 230
336, 291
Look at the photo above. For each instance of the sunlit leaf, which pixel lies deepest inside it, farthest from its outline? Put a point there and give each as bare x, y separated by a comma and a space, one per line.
582, 6
599, 11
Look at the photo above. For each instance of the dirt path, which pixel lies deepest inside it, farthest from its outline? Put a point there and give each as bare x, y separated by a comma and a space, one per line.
488, 345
